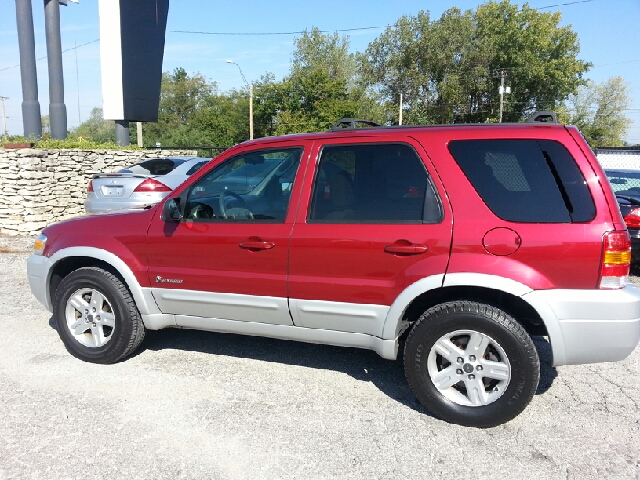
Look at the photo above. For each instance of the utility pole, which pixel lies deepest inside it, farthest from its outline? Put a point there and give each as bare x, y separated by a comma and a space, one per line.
4, 116
400, 113
502, 74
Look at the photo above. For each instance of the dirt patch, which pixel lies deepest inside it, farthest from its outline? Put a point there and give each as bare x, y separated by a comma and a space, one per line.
9, 244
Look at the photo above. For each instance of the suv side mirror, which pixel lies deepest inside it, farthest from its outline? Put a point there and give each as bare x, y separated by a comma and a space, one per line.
171, 210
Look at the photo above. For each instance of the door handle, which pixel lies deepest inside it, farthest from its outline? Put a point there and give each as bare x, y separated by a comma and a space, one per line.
257, 244
406, 248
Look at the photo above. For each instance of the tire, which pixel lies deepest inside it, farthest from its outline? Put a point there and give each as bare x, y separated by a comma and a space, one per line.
96, 317
471, 364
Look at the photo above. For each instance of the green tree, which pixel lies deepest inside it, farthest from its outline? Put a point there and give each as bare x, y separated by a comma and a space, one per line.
539, 55
597, 110
181, 96
329, 53
95, 128
446, 68
312, 101
193, 113
321, 88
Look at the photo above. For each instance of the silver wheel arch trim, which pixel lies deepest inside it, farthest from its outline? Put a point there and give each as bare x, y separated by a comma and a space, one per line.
393, 324
144, 301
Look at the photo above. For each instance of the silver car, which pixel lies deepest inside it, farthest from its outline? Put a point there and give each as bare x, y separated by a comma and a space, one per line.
144, 183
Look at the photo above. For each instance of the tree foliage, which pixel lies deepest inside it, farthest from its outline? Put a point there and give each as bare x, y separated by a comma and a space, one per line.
329, 53
322, 88
597, 110
447, 69
95, 129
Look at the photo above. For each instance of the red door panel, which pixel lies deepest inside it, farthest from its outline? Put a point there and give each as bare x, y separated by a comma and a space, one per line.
364, 263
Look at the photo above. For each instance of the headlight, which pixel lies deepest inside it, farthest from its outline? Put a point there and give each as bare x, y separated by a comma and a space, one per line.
39, 244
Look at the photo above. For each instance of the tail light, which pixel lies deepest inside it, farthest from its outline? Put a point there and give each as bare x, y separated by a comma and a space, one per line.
151, 185
633, 218
616, 259
90, 186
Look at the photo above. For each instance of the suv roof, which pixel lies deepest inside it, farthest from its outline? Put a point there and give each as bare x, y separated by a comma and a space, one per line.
349, 127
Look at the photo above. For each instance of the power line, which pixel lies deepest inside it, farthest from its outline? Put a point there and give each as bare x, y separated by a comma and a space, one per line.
564, 4
339, 30
42, 58
617, 63
274, 33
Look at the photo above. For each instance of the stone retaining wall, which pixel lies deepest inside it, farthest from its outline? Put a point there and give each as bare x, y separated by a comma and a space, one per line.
40, 187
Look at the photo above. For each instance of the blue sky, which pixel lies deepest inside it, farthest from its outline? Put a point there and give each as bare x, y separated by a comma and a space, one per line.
608, 33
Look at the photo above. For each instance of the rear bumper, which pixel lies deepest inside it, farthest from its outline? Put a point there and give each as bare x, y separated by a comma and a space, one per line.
589, 326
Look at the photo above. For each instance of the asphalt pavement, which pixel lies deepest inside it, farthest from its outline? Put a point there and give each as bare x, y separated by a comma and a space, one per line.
198, 405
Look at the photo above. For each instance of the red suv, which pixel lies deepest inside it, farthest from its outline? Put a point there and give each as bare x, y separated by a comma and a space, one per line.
450, 245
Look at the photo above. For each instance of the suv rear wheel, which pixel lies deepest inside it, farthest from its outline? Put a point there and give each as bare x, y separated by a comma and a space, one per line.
471, 364
96, 317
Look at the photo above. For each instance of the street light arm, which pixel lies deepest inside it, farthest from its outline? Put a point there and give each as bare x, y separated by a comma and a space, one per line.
250, 99
243, 77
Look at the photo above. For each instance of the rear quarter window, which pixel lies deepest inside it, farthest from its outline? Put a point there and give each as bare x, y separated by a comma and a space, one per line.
155, 166
532, 181
197, 167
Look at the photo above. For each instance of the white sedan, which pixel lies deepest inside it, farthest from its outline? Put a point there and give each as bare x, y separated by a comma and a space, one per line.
144, 183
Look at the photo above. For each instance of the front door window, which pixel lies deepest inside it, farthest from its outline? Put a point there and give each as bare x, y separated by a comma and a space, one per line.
253, 186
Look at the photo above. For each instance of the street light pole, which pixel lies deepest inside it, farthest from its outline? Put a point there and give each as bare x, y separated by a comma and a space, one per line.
251, 111
250, 85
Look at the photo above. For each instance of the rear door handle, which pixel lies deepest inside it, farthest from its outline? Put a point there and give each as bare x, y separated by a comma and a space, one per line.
406, 249
256, 244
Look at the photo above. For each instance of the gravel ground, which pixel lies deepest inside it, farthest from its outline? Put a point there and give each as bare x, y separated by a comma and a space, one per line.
199, 405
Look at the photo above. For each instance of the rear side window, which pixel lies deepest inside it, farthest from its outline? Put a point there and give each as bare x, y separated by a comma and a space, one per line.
373, 183
154, 166
197, 167
532, 181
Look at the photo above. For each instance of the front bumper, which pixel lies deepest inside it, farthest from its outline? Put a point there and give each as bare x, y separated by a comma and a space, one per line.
38, 268
589, 326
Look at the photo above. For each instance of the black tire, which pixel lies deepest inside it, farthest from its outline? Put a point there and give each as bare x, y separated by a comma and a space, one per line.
491, 389
101, 305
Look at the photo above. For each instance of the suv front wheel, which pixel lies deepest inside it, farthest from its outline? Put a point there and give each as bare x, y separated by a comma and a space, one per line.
471, 364
96, 317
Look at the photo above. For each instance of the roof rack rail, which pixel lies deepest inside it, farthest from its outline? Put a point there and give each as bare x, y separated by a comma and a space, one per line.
542, 117
352, 123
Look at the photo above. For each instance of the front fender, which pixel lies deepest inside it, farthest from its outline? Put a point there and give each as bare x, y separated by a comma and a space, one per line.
142, 296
